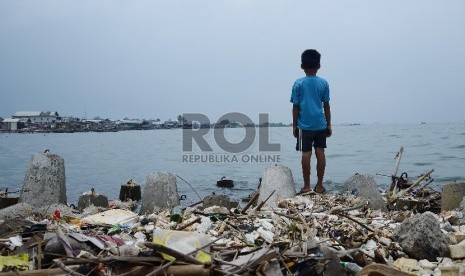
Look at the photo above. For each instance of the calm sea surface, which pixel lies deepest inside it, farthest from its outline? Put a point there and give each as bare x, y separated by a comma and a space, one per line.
104, 161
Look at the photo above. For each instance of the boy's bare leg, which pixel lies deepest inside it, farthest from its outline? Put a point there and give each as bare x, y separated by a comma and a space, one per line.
306, 157
320, 168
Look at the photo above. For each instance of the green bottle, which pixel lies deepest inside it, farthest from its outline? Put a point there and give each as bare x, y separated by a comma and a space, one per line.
176, 214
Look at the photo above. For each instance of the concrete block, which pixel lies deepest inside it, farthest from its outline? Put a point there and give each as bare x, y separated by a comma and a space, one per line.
160, 192
279, 179
365, 187
92, 198
45, 180
130, 190
452, 195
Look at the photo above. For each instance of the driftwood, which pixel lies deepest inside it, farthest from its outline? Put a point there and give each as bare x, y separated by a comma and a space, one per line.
394, 178
251, 201
358, 222
401, 193
174, 253
178, 270
264, 201
66, 269
188, 223
113, 259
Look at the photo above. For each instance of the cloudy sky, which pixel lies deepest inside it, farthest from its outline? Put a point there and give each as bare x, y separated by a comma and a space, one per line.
386, 61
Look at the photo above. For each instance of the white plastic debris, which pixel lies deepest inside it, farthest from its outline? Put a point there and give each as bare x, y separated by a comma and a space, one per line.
267, 226
128, 250
370, 245
204, 226
266, 235
14, 242
140, 236
249, 238
112, 217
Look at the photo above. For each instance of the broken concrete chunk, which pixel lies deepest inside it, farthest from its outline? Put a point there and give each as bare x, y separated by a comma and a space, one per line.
421, 237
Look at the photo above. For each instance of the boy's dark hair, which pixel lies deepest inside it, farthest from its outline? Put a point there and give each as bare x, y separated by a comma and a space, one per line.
310, 59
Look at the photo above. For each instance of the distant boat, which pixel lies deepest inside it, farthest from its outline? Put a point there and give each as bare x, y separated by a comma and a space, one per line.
225, 183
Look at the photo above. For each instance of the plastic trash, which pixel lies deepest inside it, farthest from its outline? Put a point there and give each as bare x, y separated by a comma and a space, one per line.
184, 242
20, 261
266, 235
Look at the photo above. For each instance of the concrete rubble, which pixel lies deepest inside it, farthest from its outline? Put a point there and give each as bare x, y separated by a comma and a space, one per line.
420, 236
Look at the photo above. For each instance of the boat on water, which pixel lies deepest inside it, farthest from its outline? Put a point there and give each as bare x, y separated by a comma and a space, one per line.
225, 183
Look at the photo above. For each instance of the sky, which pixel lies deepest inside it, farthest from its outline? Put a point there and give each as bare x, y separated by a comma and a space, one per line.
391, 61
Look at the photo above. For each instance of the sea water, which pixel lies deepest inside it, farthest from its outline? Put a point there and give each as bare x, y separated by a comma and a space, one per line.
104, 161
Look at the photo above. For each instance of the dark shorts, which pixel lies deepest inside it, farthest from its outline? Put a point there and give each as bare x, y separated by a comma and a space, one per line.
311, 138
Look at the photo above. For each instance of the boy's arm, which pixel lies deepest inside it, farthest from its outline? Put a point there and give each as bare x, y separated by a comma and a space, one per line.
327, 110
295, 116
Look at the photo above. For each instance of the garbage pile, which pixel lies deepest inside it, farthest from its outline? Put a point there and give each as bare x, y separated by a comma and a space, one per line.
359, 231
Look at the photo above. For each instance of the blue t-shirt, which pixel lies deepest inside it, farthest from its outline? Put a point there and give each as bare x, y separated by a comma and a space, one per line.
309, 93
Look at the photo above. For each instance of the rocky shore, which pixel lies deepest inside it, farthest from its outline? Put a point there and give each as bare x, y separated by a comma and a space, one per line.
407, 230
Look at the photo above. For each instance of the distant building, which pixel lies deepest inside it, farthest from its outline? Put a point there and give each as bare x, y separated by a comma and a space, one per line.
129, 124
38, 117
12, 124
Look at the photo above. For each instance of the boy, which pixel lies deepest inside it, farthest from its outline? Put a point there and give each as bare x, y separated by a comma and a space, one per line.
311, 118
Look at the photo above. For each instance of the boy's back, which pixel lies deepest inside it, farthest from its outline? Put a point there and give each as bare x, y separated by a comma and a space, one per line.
309, 93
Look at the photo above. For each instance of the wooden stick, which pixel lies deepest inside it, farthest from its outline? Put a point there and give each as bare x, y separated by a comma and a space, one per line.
106, 260
174, 253
187, 224
222, 226
263, 202
398, 156
66, 269
39, 253
358, 222
286, 215
179, 270
193, 204
394, 173
251, 201
168, 265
